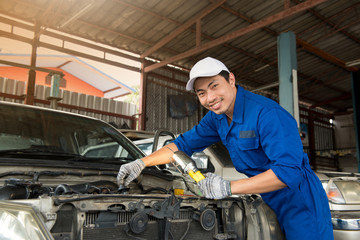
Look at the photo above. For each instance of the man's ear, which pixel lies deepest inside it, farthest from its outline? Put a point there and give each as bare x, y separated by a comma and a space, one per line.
232, 79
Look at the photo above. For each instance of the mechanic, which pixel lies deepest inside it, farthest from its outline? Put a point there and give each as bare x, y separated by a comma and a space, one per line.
263, 142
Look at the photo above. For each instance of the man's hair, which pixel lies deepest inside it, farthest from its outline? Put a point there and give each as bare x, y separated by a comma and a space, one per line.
225, 74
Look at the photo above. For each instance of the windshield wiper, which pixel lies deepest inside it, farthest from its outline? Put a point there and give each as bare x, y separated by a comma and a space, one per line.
30, 151
102, 159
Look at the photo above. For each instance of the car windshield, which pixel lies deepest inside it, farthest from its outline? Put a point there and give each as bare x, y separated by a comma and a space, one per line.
146, 147
27, 130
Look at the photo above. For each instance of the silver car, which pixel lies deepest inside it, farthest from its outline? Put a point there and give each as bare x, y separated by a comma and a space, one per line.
343, 191
58, 181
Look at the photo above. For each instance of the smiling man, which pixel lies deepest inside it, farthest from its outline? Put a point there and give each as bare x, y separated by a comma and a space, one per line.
263, 142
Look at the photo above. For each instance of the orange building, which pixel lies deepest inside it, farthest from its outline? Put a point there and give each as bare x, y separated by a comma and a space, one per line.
78, 76
69, 82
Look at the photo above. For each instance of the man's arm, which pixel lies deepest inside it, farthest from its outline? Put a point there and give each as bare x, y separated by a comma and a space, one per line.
262, 183
128, 172
161, 156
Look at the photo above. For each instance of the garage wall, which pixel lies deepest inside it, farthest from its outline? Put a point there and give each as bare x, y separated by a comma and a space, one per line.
344, 131
345, 141
160, 84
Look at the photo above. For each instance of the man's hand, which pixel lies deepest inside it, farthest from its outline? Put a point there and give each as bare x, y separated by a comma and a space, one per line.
214, 186
129, 172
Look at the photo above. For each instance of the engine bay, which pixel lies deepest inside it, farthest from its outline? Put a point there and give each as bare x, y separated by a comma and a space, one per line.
99, 210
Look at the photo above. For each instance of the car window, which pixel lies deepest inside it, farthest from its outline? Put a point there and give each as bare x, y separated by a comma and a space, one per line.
109, 150
24, 128
146, 147
168, 141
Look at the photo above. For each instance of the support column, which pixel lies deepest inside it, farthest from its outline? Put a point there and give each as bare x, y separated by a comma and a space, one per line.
287, 65
311, 136
355, 79
30, 89
143, 92
54, 91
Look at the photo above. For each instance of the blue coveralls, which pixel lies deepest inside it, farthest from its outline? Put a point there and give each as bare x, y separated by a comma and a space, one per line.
263, 136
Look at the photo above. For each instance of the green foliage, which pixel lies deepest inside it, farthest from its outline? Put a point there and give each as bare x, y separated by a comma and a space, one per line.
134, 98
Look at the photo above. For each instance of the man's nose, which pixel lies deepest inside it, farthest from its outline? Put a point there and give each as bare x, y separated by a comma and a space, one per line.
211, 96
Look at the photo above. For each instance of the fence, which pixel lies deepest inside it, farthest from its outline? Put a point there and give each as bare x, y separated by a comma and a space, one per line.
323, 142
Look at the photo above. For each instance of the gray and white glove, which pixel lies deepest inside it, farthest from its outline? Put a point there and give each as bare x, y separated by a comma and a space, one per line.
129, 172
214, 187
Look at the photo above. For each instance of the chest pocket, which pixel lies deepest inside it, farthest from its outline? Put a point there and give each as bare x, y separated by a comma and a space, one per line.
248, 143
249, 153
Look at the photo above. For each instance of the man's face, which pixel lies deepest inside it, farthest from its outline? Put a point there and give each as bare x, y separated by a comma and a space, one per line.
216, 94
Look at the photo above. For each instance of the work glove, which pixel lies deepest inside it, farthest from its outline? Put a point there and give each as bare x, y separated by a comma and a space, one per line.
214, 187
129, 172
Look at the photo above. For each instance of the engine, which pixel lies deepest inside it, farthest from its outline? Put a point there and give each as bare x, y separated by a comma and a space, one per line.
99, 210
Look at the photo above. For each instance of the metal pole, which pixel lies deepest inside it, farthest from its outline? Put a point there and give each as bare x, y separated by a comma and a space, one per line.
30, 91
355, 77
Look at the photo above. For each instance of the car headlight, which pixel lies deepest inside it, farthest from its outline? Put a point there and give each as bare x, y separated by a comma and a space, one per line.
19, 221
334, 194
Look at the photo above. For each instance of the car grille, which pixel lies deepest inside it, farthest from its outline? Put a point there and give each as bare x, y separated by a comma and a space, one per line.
185, 225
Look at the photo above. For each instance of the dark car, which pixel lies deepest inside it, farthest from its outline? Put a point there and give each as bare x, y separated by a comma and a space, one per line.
58, 181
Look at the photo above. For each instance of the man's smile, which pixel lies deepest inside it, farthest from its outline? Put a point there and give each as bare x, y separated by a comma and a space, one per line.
215, 105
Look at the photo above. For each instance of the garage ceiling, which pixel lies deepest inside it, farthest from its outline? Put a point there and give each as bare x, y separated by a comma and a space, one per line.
241, 33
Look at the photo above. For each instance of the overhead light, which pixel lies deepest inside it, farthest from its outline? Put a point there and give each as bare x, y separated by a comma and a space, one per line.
77, 15
271, 85
352, 63
261, 68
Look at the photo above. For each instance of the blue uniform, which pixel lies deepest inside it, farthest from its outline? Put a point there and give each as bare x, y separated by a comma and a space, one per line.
263, 136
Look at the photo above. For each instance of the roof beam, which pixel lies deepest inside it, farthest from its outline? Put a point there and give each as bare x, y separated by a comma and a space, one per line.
113, 89
335, 99
63, 64
197, 29
122, 2
246, 18
310, 83
88, 56
69, 51
332, 24
45, 18
182, 28
63, 38
121, 95
316, 80
325, 55
20, 65
254, 26
86, 23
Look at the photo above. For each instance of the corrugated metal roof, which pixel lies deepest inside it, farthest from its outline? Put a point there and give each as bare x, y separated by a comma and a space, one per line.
328, 35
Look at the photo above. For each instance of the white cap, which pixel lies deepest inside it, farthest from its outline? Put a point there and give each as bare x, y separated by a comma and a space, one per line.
206, 67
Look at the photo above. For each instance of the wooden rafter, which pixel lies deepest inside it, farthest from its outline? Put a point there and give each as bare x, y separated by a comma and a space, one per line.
182, 28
